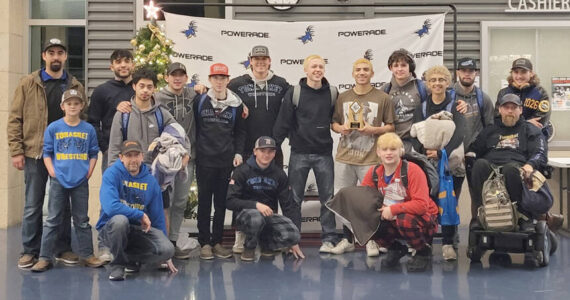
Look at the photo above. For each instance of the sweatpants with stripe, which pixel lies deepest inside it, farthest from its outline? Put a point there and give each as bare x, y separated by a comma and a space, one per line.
271, 232
416, 230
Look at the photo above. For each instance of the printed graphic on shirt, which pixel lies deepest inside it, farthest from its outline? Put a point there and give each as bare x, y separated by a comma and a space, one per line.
404, 111
262, 183
359, 145
394, 193
134, 191
271, 90
71, 146
179, 110
211, 115
510, 141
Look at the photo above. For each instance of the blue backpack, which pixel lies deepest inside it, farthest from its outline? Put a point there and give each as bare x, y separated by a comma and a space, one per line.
125, 122
420, 85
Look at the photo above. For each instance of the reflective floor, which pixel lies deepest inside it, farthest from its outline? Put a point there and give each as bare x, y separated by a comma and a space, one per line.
349, 276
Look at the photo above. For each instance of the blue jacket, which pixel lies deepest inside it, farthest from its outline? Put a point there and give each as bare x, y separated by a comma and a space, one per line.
131, 196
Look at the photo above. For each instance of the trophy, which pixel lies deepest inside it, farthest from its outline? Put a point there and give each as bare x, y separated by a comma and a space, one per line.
355, 115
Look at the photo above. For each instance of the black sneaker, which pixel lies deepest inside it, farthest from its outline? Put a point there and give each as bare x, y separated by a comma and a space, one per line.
134, 267
395, 252
117, 273
421, 261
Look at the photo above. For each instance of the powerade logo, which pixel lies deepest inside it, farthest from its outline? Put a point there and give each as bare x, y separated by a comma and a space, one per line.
348, 86
432, 53
308, 36
368, 54
190, 56
425, 28
193, 81
361, 32
191, 31
245, 34
296, 61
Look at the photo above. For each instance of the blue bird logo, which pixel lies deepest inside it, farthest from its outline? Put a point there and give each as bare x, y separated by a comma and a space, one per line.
245, 63
308, 36
193, 81
368, 54
425, 28
191, 31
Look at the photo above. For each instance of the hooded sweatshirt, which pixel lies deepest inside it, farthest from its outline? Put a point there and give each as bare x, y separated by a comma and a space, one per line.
181, 108
251, 184
220, 129
103, 105
473, 123
308, 125
130, 196
263, 99
406, 99
142, 127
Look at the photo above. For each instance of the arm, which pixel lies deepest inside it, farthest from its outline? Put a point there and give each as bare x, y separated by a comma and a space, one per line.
95, 114
115, 138
239, 132
155, 210
284, 121
49, 166
386, 116
414, 140
15, 124
235, 200
418, 192
544, 111
48, 150
536, 148
488, 110
458, 133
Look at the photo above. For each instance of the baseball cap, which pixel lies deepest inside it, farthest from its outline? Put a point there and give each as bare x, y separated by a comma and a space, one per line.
219, 69
259, 51
71, 94
129, 146
265, 142
512, 98
467, 63
52, 43
175, 67
522, 63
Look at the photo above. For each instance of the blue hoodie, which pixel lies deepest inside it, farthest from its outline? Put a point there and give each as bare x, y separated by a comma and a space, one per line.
131, 196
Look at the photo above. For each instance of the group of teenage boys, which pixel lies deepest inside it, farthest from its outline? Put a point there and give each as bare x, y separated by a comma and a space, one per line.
235, 130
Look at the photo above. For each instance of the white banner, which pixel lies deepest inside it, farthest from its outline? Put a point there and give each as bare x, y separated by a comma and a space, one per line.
200, 42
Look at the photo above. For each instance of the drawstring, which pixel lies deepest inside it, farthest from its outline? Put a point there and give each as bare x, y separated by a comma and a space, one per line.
266, 94
255, 93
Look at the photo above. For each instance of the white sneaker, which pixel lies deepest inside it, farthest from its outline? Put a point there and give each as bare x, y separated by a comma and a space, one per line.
448, 252
383, 250
240, 240
372, 249
343, 246
326, 247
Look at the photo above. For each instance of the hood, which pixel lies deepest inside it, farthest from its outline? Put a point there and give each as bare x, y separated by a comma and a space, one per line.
154, 105
119, 83
459, 90
395, 83
253, 164
262, 84
325, 84
232, 100
144, 171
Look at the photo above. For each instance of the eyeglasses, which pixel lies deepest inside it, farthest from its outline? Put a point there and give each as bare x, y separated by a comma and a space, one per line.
440, 80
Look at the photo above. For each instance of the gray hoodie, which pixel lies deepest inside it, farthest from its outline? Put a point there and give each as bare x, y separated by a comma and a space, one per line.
142, 127
180, 106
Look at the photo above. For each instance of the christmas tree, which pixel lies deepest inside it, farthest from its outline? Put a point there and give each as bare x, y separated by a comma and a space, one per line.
152, 50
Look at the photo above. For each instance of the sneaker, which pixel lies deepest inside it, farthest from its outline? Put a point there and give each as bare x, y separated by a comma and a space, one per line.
395, 252
248, 254
372, 249
449, 252
42, 265
268, 252
206, 252
240, 240
105, 256
133, 267
91, 262
68, 258
221, 252
421, 261
383, 250
117, 273
343, 246
181, 253
326, 247
26, 261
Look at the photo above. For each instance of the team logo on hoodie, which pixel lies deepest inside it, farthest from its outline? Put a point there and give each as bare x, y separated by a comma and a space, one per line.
191, 31
425, 28
194, 80
308, 36
368, 54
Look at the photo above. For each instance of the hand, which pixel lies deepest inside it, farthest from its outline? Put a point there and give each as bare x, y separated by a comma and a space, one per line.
171, 266
124, 107
367, 129
18, 161
296, 250
265, 210
386, 213
344, 130
245, 112
51, 172
461, 106
431, 153
200, 88
535, 122
145, 223
238, 160
185, 160
527, 170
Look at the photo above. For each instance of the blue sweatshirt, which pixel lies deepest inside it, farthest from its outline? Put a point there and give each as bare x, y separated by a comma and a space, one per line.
130, 196
70, 148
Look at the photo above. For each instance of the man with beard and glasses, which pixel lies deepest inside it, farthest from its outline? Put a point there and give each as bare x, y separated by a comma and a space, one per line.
107, 96
36, 104
476, 107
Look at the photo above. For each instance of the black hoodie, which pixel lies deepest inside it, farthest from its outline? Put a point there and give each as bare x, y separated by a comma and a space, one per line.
263, 99
103, 105
308, 125
251, 184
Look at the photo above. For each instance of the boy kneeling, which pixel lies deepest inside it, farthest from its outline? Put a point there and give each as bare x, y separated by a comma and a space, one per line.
408, 213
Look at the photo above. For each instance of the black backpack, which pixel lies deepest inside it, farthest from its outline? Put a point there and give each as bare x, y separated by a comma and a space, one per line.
422, 161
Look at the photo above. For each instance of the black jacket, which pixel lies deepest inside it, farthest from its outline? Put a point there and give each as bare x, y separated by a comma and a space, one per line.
103, 105
263, 104
522, 143
251, 184
308, 125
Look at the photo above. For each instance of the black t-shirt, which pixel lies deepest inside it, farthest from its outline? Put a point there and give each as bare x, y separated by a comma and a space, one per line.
54, 89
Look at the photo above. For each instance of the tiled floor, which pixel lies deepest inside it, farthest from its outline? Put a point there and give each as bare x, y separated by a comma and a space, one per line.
349, 276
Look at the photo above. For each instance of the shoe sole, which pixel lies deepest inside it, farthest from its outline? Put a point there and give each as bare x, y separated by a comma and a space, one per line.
92, 265
223, 256
237, 250
248, 259
206, 257
41, 270
26, 266
67, 261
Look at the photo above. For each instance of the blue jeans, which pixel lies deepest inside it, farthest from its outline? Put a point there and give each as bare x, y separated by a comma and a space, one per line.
59, 199
323, 167
129, 244
35, 179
